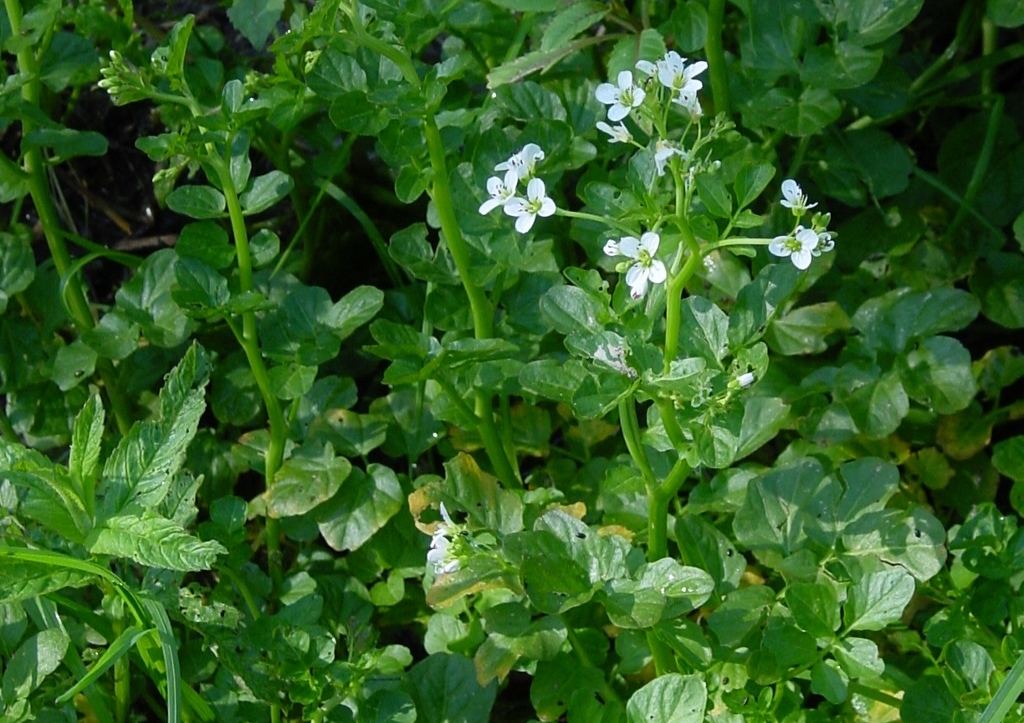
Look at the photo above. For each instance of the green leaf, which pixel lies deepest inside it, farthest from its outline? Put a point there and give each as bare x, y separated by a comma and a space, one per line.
354, 113
199, 289
366, 502
877, 406
206, 241
911, 538
758, 301
815, 607
660, 590
648, 45
670, 698
114, 652
830, 681
73, 364
872, 21
689, 26
840, 66
388, 706
17, 266
488, 506
705, 547
878, 599
86, 438
69, 60
891, 321
153, 541
859, 657
570, 22
146, 300
445, 690
302, 329
804, 330
35, 659
869, 482
714, 194
998, 282
928, 700
263, 192
354, 309
336, 74
751, 182
51, 497
197, 201
302, 483
142, 465
67, 143
1008, 458
1006, 13
704, 330
549, 379
291, 381
786, 506
798, 115
938, 374
23, 580
264, 246
256, 19
742, 612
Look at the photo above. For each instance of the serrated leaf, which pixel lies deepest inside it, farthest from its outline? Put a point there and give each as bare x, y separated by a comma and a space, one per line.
140, 468
86, 438
51, 497
153, 541
23, 580
571, 21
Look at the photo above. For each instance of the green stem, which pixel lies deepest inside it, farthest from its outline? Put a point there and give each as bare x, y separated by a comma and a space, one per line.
875, 694
122, 678
674, 292
657, 509
716, 57
989, 44
631, 434
39, 189
603, 220
980, 166
249, 341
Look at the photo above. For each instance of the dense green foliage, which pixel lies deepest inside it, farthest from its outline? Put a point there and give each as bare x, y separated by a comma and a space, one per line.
389, 432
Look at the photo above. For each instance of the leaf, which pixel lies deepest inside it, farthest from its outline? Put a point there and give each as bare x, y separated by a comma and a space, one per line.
872, 21
1008, 458
859, 657
86, 438
302, 483
365, 503
140, 468
758, 301
648, 45
998, 282
301, 329
705, 547
445, 690
714, 195
23, 580
153, 541
206, 241
815, 607
1006, 13
840, 66
199, 289
335, 74
264, 247
264, 191
938, 374
468, 488
74, 363
354, 113
869, 482
354, 309
878, 599
911, 538
69, 60
804, 330
660, 590
146, 300
67, 143
255, 19
704, 330
877, 406
197, 201
35, 659
830, 681
114, 652
798, 115
892, 321
17, 266
751, 181
51, 497
670, 698
571, 21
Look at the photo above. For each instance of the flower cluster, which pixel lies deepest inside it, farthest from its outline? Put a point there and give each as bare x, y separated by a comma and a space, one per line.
680, 79
122, 80
645, 267
803, 243
519, 168
442, 554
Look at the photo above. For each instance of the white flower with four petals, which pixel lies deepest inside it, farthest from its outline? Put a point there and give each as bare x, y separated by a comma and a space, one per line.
623, 98
798, 246
642, 251
526, 210
680, 78
793, 197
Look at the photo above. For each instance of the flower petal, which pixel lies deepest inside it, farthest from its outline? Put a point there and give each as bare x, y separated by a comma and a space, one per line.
489, 205
649, 242
611, 248
547, 208
535, 190
446, 517
607, 93
625, 80
658, 273
778, 246
629, 247
646, 67
808, 239
638, 283
617, 112
801, 259
791, 192
525, 222
515, 206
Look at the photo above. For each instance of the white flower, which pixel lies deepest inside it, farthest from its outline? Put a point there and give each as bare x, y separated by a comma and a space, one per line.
440, 554
692, 106
619, 133
794, 198
799, 246
745, 380
527, 209
663, 151
677, 76
647, 68
501, 190
647, 268
622, 99
825, 243
523, 162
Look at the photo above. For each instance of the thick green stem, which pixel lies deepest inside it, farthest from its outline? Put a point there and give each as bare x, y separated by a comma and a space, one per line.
249, 341
631, 434
657, 509
122, 679
674, 292
716, 57
39, 189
